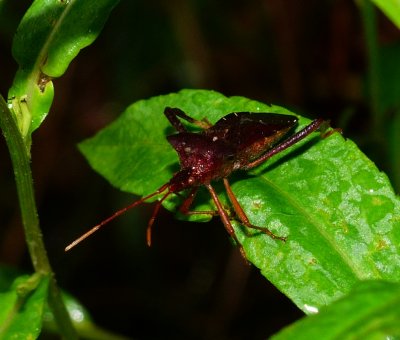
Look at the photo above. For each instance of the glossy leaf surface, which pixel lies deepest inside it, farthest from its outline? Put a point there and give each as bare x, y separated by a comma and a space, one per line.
21, 308
48, 38
338, 211
371, 311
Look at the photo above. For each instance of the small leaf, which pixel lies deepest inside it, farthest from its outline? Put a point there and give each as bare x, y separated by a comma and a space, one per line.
49, 37
21, 308
7, 275
79, 315
370, 311
391, 8
338, 211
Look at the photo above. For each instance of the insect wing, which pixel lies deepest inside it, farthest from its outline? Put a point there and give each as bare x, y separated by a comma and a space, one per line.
252, 133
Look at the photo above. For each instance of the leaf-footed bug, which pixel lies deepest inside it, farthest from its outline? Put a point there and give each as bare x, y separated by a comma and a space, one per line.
238, 141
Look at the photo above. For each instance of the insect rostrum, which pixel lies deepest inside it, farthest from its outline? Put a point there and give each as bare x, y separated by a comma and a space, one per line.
238, 141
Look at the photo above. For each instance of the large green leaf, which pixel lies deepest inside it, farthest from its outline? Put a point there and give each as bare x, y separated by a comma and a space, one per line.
370, 311
338, 211
48, 38
21, 308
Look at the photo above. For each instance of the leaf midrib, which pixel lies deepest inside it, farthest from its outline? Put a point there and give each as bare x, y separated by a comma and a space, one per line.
43, 53
319, 227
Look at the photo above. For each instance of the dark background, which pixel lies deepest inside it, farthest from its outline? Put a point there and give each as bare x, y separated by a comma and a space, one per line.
309, 56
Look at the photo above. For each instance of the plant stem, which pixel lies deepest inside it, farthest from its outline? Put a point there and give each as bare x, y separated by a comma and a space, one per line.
368, 14
20, 157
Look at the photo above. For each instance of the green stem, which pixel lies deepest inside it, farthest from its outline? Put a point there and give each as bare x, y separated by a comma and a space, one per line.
20, 157
368, 14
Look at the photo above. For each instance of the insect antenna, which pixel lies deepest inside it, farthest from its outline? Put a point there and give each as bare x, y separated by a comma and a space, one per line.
123, 210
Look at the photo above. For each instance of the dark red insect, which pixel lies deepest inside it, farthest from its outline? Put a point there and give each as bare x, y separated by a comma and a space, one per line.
238, 141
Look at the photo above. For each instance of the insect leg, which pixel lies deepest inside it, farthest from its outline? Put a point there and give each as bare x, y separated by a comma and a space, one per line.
153, 217
325, 133
185, 207
173, 113
225, 218
314, 125
242, 215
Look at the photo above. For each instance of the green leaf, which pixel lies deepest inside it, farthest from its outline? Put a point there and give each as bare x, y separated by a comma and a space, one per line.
21, 308
370, 311
391, 8
80, 316
7, 275
338, 211
49, 37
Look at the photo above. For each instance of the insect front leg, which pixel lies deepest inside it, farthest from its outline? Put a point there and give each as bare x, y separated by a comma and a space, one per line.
242, 215
225, 219
173, 113
187, 203
153, 217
